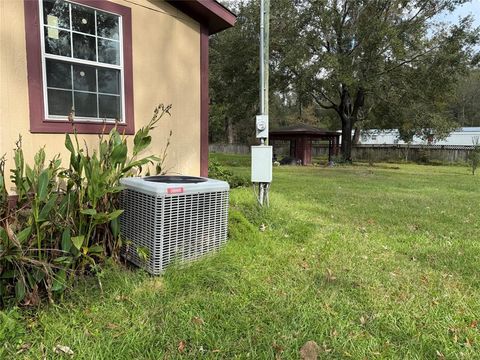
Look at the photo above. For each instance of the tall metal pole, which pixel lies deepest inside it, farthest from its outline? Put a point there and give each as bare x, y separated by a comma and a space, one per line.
266, 56
262, 57
261, 192
262, 154
264, 75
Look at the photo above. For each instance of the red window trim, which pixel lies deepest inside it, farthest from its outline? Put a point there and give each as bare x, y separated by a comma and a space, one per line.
38, 123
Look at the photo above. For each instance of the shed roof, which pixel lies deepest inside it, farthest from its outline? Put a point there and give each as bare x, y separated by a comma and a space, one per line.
208, 12
302, 129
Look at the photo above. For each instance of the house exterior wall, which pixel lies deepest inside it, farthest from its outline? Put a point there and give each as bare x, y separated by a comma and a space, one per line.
166, 69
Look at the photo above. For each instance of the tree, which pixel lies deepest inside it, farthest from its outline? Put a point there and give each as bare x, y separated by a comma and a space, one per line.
377, 63
234, 77
465, 103
354, 57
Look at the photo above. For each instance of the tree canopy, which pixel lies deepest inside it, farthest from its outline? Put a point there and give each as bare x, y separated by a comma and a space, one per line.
465, 104
375, 63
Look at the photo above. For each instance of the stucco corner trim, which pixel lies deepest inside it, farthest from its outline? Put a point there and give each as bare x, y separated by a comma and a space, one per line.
204, 100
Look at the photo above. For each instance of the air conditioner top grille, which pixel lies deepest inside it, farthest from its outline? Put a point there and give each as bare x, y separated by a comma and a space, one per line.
175, 179
169, 188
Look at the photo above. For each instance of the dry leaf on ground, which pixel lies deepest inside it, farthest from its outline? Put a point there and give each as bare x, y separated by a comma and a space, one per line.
304, 265
278, 350
181, 346
309, 351
197, 320
329, 275
24, 347
62, 349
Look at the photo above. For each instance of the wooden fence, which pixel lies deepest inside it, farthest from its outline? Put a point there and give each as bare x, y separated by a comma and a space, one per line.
373, 153
229, 148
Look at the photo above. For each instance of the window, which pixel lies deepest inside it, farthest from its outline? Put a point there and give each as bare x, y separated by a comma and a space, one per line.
82, 63
84, 57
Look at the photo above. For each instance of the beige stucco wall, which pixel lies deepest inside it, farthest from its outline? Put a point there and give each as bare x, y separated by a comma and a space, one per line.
166, 69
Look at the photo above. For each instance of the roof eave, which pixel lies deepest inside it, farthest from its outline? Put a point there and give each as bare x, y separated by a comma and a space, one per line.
207, 12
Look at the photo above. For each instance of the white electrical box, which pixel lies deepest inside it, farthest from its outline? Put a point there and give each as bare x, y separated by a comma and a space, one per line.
262, 164
261, 126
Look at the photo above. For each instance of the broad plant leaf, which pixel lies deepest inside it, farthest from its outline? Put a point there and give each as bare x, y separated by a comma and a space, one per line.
47, 208
89, 212
20, 290
101, 218
59, 281
65, 260
77, 241
30, 175
42, 189
114, 225
69, 144
24, 234
115, 214
66, 240
95, 249
3, 235
119, 154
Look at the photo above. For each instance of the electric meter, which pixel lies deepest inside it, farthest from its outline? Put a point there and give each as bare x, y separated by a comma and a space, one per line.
262, 126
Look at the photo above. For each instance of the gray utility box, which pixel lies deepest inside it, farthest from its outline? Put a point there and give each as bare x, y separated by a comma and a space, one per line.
262, 164
172, 218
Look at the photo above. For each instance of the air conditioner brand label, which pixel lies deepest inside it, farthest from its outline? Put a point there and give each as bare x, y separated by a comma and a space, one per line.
177, 190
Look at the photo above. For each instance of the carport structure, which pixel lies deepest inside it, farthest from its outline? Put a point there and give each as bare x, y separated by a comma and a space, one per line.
301, 137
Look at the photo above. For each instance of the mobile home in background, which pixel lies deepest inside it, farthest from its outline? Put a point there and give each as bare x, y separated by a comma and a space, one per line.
460, 137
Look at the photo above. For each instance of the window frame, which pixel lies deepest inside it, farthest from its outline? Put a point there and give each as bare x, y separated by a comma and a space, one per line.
40, 121
73, 61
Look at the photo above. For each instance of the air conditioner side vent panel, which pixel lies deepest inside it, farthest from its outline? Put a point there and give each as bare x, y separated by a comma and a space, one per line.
173, 228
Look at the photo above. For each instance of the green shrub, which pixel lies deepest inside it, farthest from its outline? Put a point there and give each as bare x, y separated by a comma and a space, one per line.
65, 221
423, 156
339, 160
217, 171
474, 155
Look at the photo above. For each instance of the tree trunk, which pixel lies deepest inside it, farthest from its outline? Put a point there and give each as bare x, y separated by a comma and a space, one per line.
229, 131
407, 151
348, 112
356, 135
346, 147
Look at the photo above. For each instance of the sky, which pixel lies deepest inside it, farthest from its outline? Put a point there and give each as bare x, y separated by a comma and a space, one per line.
471, 8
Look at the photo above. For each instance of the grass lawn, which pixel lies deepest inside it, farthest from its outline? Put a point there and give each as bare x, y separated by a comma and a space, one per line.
369, 262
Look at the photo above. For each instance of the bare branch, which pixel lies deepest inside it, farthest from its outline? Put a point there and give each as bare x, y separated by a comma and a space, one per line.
407, 61
322, 105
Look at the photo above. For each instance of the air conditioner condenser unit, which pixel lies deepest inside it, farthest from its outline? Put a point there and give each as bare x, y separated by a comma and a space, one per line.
172, 219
